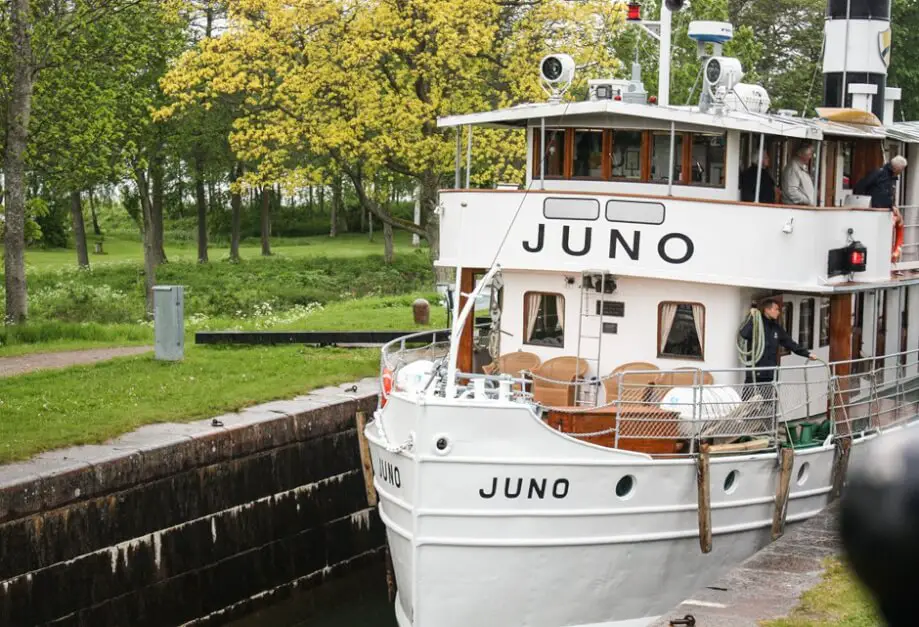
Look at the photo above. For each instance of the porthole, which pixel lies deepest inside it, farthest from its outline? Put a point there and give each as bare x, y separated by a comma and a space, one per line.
803, 473
442, 444
730, 482
625, 487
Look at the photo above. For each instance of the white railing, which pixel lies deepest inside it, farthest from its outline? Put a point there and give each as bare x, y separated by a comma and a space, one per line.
804, 404
909, 256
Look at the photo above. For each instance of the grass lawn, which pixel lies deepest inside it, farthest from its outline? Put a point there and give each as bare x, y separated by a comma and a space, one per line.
839, 600
390, 313
122, 250
89, 404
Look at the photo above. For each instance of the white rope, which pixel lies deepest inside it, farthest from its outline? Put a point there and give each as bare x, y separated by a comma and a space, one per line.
751, 352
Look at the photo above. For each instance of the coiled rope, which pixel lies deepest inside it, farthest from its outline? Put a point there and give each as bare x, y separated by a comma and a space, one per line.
751, 352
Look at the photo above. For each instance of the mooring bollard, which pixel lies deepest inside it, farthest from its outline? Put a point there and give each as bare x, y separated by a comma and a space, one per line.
169, 322
421, 310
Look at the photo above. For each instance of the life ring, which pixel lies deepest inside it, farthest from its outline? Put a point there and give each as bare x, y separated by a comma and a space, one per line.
386, 384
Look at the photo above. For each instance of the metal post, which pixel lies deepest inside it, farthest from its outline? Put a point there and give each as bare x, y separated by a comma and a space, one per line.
670, 168
459, 157
469, 156
542, 154
663, 88
759, 165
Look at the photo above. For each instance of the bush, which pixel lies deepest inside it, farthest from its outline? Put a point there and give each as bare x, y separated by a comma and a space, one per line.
114, 293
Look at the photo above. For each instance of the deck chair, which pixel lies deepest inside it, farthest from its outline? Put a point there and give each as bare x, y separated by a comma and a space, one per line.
639, 379
552, 381
681, 377
515, 364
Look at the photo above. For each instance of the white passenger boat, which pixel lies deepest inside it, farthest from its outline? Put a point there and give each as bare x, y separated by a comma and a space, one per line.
590, 454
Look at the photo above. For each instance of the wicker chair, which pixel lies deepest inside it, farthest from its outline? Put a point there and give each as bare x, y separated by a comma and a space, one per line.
681, 377
515, 364
563, 370
637, 383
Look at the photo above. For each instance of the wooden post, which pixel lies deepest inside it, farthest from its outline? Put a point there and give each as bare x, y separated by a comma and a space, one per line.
464, 356
366, 461
372, 499
841, 355
840, 466
786, 463
703, 480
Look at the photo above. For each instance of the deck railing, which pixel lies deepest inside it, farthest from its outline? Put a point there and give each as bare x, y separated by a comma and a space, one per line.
813, 401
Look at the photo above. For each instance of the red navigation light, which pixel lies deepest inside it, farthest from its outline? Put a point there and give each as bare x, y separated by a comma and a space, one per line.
652, 99
617, 97
857, 258
634, 12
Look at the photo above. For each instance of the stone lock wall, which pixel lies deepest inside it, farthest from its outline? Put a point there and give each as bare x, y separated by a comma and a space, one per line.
189, 523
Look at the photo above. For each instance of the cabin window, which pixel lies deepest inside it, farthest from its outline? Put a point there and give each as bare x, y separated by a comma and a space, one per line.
571, 208
707, 160
544, 319
660, 156
553, 156
588, 154
806, 324
824, 322
787, 320
627, 155
681, 330
847, 182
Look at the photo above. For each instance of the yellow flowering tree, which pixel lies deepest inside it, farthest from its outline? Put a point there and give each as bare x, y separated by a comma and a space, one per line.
360, 84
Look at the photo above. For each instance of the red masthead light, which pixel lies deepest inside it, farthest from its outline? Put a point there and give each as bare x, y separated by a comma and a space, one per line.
634, 14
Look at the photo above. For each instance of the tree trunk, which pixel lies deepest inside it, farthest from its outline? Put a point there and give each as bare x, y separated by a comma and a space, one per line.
336, 206
202, 208
17, 135
157, 175
236, 202
387, 243
92, 209
310, 189
428, 188
79, 229
150, 256
321, 192
266, 221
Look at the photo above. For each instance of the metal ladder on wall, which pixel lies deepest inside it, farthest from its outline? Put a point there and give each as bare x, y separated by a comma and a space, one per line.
591, 309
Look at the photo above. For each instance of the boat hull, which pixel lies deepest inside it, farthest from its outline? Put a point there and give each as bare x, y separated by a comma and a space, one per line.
512, 523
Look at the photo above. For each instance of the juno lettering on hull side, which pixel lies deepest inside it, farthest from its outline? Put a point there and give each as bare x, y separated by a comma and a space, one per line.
389, 473
674, 248
525, 488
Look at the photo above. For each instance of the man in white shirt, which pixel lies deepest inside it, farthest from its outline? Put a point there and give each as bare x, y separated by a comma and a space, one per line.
797, 184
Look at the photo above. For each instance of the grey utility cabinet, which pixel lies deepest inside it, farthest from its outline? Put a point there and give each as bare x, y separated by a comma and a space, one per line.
169, 322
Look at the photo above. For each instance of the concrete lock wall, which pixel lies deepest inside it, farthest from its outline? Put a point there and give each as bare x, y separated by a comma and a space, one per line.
189, 523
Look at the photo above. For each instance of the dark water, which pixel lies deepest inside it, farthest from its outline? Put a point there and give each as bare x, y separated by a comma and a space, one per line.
354, 601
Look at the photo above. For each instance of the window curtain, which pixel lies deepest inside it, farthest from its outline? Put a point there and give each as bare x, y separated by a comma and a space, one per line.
668, 314
533, 302
560, 308
698, 317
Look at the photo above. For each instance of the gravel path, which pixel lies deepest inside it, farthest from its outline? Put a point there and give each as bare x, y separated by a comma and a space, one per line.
10, 366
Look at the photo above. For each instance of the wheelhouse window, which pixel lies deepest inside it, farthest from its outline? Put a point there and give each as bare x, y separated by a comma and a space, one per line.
660, 156
787, 320
806, 324
544, 319
627, 155
707, 162
588, 154
847, 182
681, 330
554, 155
824, 322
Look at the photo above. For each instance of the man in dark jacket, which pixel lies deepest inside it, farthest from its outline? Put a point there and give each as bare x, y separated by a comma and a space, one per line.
881, 186
766, 183
760, 380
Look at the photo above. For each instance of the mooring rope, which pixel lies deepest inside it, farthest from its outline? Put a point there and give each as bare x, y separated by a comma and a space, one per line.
751, 352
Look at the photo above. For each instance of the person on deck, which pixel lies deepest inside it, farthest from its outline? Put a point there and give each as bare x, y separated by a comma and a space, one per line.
760, 379
797, 184
881, 185
766, 183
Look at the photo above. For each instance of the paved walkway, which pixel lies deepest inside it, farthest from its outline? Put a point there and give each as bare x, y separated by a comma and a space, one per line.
769, 584
10, 366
